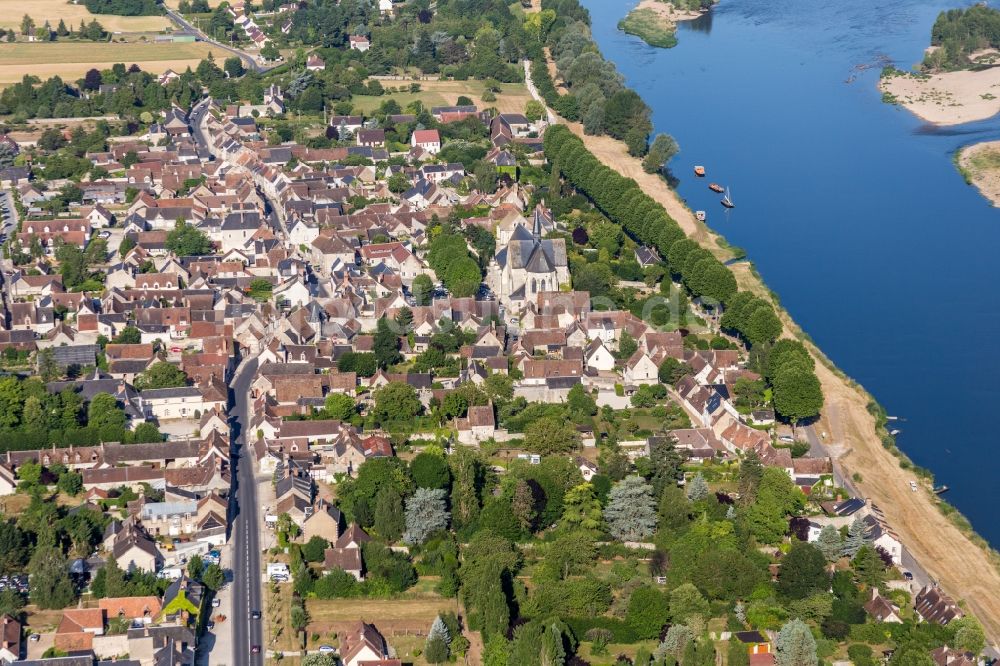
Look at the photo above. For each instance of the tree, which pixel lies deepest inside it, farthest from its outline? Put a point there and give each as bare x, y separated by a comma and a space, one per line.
522, 505
750, 475
234, 67
553, 652
830, 543
869, 568
213, 577
48, 369
630, 511
27, 25
314, 550
93, 79
362, 363
661, 151
11, 603
185, 240
436, 650
797, 393
70, 483
425, 514
675, 642
698, 488
627, 346
969, 634
13, 547
581, 404
497, 651
581, 509
648, 610
195, 567
665, 462
422, 289
795, 645
550, 435
396, 403
671, 371
30, 472
161, 375
911, 655
104, 412
687, 605
270, 52
398, 183
339, 406
534, 110
568, 554
803, 571
386, 345
777, 498
857, 536
51, 587
430, 470
389, 519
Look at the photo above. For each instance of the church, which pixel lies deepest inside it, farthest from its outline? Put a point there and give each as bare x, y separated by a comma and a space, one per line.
527, 264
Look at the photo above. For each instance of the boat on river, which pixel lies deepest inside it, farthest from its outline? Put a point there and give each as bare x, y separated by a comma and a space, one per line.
700, 215
727, 200
699, 171
715, 187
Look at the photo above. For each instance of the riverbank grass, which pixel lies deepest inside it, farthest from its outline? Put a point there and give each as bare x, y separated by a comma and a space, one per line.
979, 165
650, 26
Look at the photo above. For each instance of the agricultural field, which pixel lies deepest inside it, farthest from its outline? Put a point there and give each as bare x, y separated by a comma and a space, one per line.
71, 60
53, 10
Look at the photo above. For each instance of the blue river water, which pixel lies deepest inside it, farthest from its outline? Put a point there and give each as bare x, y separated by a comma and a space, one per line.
850, 208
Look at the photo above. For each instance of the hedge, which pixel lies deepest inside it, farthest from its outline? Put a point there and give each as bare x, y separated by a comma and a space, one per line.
620, 631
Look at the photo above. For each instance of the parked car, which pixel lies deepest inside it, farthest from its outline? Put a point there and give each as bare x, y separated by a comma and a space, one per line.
216, 602
326, 649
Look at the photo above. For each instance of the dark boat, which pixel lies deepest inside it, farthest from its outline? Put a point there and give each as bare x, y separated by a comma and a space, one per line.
715, 187
940, 489
699, 171
727, 200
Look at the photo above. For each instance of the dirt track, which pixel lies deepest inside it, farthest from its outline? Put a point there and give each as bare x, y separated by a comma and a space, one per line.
963, 568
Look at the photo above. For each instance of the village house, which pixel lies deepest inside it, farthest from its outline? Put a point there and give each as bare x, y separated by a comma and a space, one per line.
428, 140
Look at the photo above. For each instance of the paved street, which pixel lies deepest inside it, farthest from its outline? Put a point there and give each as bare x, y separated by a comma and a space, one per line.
249, 60
245, 523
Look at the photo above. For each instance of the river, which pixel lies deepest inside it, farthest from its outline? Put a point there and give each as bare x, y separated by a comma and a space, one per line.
850, 208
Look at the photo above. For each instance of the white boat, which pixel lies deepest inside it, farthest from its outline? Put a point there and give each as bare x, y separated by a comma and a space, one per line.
700, 215
727, 200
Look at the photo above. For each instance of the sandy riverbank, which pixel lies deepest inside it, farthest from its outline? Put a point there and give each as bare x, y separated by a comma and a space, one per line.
980, 165
668, 11
949, 98
963, 568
